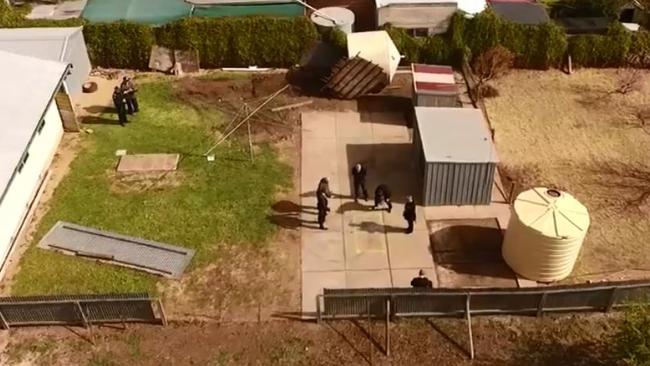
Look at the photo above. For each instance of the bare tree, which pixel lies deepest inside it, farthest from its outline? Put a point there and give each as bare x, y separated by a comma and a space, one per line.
629, 80
491, 64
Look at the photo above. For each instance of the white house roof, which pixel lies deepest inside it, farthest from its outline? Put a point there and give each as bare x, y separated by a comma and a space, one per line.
28, 85
376, 47
44, 43
468, 6
454, 135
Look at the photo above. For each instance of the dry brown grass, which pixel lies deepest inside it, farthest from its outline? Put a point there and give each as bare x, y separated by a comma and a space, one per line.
576, 133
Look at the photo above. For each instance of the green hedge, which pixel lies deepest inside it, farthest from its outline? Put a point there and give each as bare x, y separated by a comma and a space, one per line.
119, 45
241, 41
611, 49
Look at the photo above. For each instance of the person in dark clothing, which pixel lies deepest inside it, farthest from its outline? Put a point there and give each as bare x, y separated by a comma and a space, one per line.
359, 180
421, 281
324, 187
120, 105
322, 209
382, 195
128, 88
409, 213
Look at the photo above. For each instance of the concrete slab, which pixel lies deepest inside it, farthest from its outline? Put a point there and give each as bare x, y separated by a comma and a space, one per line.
148, 163
318, 124
368, 279
348, 125
476, 275
403, 277
365, 250
395, 219
409, 251
313, 284
322, 251
466, 236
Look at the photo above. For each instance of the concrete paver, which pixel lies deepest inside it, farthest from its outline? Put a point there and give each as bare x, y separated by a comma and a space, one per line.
368, 279
313, 284
322, 251
410, 251
476, 275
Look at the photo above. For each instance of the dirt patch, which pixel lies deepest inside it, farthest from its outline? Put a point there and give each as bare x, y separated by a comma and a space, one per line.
574, 132
144, 182
567, 340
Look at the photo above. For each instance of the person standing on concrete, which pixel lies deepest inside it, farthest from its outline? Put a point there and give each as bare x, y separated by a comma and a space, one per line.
382, 195
324, 187
120, 105
128, 88
409, 213
323, 209
421, 281
359, 179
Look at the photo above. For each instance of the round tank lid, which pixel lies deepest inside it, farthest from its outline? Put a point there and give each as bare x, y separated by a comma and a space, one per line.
342, 16
552, 212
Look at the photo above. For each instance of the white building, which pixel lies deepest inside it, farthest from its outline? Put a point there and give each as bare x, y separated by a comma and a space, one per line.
30, 131
65, 45
424, 17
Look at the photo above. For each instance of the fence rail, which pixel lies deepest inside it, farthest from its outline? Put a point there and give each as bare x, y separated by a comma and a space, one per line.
83, 310
387, 303
409, 302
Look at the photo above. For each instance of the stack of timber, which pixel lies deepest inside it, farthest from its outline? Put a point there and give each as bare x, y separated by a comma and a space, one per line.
351, 78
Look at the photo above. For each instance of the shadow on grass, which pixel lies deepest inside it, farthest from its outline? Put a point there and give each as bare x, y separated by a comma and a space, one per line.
92, 120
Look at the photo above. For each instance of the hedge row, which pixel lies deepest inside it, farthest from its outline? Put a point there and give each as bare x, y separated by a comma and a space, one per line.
221, 42
241, 41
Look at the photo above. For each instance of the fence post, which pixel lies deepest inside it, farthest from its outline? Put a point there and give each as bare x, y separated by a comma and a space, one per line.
5, 324
369, 331
468, 316
612, 299
540, 306
162, 313
83, 316
319, 317
387, 327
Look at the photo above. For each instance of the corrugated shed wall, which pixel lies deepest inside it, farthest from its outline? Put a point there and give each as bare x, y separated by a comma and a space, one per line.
364, 11
430, 100
458, 183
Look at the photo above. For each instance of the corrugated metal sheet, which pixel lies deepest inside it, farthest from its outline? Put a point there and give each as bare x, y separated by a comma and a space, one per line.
429, 100
458, 183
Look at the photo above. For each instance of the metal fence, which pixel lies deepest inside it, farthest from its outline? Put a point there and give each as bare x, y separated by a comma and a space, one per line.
83, 310
387, 303
410, 302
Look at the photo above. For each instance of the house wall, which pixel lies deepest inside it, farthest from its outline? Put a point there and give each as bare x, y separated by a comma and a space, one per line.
76, 54
25, 184
434, 17
458, 183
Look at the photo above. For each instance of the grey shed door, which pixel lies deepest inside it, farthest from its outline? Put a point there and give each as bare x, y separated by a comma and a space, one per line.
458, 183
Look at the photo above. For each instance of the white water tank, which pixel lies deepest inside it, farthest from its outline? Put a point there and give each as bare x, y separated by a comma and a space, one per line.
545, 234
334, 17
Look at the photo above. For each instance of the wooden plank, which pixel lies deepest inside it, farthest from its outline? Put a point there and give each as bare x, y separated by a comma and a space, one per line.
290, 106
66, 110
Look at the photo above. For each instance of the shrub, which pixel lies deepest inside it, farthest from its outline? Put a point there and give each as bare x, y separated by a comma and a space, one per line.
336, 38
241, 41
119, 45
489, 65
633, 338
639, 54
602, 50
408, 46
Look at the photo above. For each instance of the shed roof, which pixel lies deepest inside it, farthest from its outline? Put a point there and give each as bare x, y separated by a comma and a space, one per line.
138, 11
238, 2
454, 135
28, 85
520, 11
434, 79
376, 47
585, 25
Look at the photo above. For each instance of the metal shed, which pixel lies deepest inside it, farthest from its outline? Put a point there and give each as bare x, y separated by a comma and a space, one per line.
434, 86
65, 45
456, 156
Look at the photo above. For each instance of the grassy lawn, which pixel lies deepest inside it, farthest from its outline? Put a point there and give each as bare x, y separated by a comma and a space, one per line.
574, 132
202, 206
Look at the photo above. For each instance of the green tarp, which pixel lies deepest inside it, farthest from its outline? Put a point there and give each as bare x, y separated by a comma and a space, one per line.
277, 10
153, 12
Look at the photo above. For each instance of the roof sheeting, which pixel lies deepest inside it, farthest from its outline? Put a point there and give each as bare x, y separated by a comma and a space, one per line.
590, 25
154, 12
276, 10
55, 44
238, 2
28, 85
434, 79
454, 135
520, 11
376, 47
